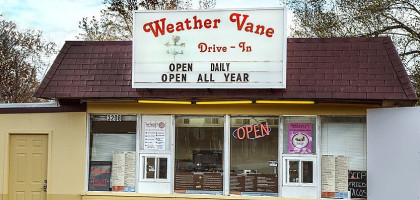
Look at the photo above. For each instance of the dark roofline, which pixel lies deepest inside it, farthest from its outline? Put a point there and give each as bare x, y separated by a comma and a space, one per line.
407, 95
81, 107
61, 55
399, 69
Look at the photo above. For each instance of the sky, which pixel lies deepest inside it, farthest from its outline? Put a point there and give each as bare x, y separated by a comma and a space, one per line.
59, 19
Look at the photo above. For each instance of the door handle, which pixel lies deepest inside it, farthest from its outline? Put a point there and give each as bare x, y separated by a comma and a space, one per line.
45, 186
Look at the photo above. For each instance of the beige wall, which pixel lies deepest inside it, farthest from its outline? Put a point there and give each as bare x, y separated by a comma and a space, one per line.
67, 136
67, 140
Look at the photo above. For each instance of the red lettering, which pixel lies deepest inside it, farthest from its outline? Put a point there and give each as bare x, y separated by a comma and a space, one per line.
248, 130
243, 131
240, 23
253, 131
256, 131
265, 129
269, 32
158, 28
207, 23
170, 28
234, 17
215, 23
197, 23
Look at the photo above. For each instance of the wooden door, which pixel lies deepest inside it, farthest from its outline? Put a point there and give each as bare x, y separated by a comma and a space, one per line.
28, 167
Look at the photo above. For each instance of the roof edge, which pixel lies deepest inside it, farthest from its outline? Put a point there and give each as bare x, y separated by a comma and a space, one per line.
47, 78
400, 70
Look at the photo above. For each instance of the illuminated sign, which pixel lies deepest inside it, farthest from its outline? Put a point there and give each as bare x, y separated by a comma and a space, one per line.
252, 131
209, 49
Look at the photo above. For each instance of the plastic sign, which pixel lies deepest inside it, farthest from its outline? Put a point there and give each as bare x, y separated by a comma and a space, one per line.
209, 49
252, 131
300, 137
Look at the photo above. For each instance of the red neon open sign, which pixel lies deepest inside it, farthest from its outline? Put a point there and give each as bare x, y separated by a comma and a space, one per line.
252, 131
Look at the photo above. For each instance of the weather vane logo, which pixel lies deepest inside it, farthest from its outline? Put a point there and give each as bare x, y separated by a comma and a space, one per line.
174, 47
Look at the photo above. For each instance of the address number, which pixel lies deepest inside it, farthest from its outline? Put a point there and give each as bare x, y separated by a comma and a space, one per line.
113, 118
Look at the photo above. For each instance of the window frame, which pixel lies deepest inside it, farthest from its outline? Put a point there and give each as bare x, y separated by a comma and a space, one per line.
88, 151
226, 119
286, 160
170, 154
143, 168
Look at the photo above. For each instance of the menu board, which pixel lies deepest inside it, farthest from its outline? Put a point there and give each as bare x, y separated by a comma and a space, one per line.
130, 172
100, 175
118, 165
341, 173
206, 181
154, 135
358, 184
123, 171
328, 176
334, 176
253, 183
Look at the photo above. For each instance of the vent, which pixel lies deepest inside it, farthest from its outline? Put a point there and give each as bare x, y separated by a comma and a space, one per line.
273, 121
186, 121
214, 120
242, 121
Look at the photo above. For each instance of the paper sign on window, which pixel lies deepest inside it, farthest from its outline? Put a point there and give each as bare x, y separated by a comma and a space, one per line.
154, 135
300, 137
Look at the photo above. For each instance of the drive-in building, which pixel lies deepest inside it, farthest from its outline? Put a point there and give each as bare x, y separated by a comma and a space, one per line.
175, 130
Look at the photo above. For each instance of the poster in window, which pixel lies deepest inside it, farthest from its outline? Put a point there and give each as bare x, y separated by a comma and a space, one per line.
154, 135
300, 137
100, 175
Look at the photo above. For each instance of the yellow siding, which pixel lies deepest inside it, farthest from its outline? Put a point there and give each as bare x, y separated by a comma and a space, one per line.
67, 140
247, 109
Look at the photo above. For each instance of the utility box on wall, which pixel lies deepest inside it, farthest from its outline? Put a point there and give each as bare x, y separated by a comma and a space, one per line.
393, 137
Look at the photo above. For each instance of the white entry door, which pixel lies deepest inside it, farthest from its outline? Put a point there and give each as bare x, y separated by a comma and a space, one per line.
155, 154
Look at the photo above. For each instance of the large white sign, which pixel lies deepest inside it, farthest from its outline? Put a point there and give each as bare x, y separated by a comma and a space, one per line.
209, 49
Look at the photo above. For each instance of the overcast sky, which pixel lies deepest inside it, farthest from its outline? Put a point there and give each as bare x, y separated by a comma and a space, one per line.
59, 19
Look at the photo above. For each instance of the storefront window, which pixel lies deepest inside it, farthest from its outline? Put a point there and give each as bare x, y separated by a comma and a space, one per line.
254, 154
155, 167
199, 154
293, 171
345, 136
307, 172
112, 157
299, 171
344, 151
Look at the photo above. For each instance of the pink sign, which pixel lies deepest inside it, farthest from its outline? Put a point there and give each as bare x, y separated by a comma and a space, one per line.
300, 137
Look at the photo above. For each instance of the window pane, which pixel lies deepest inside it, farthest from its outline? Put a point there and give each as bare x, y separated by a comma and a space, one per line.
307, 171
150, 168
293, 171
163, 168
254, 153
345, 136
112, 149
199, 153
